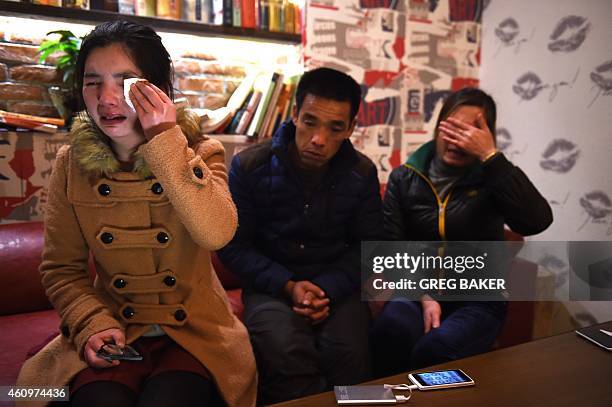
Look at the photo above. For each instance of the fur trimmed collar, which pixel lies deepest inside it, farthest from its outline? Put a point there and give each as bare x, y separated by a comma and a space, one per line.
93, 152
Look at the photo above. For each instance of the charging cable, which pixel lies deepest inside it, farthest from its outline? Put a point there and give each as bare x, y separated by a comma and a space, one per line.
403, 387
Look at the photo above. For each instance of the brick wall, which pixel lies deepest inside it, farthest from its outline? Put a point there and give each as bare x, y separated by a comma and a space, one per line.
23, 80
204, 81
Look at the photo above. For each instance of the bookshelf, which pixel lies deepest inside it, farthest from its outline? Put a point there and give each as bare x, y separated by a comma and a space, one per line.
20, 9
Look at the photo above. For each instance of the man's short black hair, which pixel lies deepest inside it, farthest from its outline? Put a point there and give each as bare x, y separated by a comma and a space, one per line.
329, 84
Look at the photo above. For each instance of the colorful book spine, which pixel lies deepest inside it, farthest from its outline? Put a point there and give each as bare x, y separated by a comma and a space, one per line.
217, 12
228, 12
289, 13
82, 4
297, 12
277, 83
257, 13
238, 98
247, 116
126, 7
286, 112
169, 9
267, 132
264, 14
145, 8
231, 129
265, 83
274, 23
248, 13
237, 7
193, 10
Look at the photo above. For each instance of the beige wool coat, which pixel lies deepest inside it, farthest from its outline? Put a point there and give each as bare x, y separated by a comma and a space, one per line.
151, 232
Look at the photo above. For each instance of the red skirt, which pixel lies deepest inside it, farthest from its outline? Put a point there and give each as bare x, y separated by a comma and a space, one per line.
160, 354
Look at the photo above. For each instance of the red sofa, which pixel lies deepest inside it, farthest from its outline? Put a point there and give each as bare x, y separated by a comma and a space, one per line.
27, 318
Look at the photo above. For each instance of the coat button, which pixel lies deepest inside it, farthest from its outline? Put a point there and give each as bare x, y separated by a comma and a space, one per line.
157, 188
169, 281
197, 171
180, 315
120, 283
128, 312
162, 237
104, 190
106, 238
302, 246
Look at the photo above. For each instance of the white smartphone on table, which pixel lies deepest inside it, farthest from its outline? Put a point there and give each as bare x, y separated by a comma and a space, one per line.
441, 379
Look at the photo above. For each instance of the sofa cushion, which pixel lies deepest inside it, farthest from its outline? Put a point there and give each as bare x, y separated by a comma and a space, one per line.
20, 250
20, 333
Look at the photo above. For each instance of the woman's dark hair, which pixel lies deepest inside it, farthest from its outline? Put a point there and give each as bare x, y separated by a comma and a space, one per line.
329, 84
142, 44
470, 97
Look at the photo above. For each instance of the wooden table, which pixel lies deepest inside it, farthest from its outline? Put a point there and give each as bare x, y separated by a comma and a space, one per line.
562, 370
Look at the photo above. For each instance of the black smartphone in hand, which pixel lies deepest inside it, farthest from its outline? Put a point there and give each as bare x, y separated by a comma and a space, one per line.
110, 352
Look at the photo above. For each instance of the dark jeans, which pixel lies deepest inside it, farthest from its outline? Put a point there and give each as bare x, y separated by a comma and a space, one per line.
295, 358
399, 343
167, 389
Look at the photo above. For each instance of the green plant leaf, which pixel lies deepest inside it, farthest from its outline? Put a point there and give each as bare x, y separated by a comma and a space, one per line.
65, 35
44, 55
68, 45
47, 44
64, 60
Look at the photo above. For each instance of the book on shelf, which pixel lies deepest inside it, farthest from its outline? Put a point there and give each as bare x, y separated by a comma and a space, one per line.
231, 128
249, 112
264, 14
266, 84
106, 5
289, 17
237, 100
280, 109
38, 119
36, 123
217, 12
268, 130
170, 9
126, 7
196, 10
274, 13
248, 13
277, 83
228, 13
293, 81
145, 8
267, 15
82, 4
237, 15
297, 21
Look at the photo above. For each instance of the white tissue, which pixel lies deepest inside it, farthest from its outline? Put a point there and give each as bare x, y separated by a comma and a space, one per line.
127, 83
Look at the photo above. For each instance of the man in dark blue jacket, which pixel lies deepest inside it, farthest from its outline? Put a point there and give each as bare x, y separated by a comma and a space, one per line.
306, 199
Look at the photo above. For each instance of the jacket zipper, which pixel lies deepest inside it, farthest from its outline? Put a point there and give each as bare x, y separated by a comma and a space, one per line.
441, 204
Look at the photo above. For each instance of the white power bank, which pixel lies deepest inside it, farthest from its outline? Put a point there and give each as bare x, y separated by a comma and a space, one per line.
364, 395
